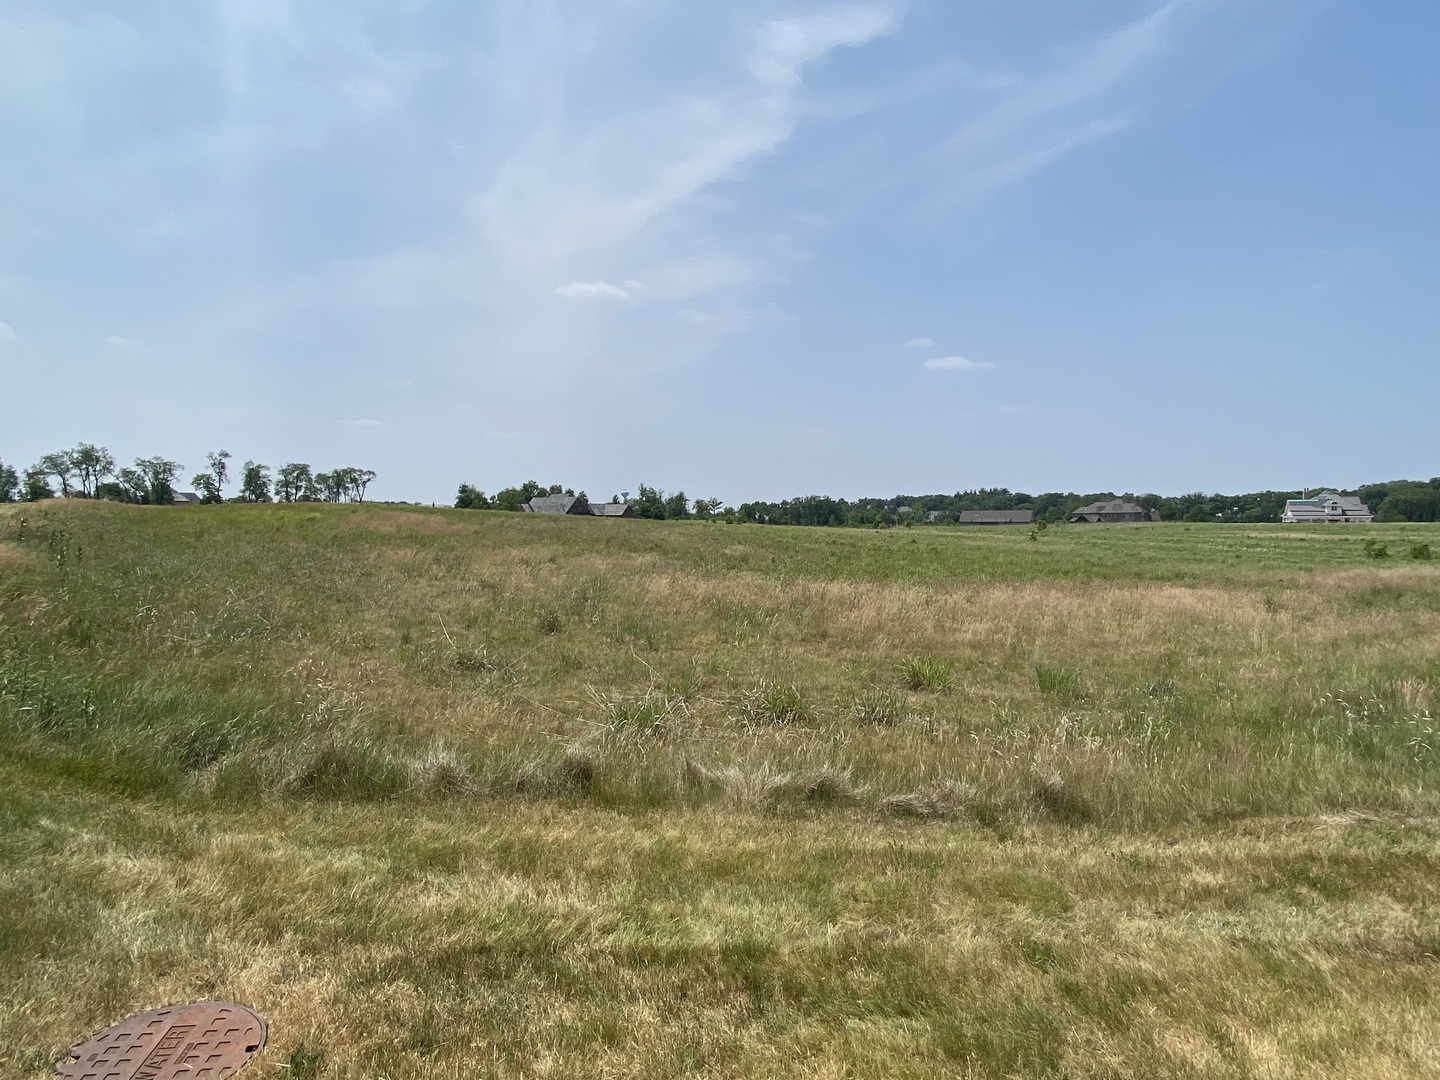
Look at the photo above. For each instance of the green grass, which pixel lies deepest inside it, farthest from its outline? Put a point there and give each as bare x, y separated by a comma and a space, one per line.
457, 793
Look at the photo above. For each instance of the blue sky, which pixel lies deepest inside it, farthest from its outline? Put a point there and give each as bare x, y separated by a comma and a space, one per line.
752, 250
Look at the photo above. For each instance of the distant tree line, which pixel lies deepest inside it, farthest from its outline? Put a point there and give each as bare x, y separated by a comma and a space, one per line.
648, 503
91, 472
1397, 500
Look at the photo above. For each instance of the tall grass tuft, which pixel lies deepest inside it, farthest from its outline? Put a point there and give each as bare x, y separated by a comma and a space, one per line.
877, 708
776, 704
346, 767
927, 673
1057, 680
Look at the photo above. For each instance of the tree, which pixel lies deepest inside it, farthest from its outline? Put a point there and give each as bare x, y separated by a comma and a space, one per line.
158, 475
705, 509
469, 498
255, 483
677, 506
9, 483
649, 503
360, 479
513, 498
60, 465
211, 482
133, 486
36, 485
294, 482
92, 465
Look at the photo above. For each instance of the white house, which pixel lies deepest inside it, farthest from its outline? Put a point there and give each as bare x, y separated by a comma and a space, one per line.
1326, 506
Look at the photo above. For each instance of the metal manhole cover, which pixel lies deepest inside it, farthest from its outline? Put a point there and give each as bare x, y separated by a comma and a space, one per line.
199, 1042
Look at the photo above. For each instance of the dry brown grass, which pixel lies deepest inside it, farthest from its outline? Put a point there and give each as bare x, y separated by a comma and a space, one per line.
456, 795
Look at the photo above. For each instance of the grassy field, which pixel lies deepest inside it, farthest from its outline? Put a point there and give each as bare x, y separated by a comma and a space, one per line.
447, 793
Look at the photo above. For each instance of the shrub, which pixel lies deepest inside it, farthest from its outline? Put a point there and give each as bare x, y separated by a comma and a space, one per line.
1420, 551
1377, 549
927, 673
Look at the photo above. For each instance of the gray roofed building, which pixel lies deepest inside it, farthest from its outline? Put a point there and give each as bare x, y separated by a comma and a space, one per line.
997, 517
1326, 506
612, 509
1114, 510
186, 498
558, 504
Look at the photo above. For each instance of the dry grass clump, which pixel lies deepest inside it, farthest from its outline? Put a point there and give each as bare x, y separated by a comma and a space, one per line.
940, 799
1059, 799
765, 785
573, 772
441, 773
473, 660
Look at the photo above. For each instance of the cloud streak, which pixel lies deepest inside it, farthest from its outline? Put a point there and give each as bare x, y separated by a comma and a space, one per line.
593, 290
957, 363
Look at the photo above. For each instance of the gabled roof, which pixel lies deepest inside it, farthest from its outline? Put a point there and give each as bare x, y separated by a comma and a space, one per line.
558, 504
997, 517
611, 510
1113, 506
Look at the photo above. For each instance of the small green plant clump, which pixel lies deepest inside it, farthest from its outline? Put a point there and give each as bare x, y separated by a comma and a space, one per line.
1057, 679
646, 715
1421, 552
304, 1062
780, 704
1377, 549
927, 673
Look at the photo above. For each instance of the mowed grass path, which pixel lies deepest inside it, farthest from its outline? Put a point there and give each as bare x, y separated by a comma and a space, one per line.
474, 794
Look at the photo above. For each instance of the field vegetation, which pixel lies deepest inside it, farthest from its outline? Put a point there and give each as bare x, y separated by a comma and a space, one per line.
460, 793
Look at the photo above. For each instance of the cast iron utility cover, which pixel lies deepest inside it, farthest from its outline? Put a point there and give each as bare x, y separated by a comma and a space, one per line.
203, 1041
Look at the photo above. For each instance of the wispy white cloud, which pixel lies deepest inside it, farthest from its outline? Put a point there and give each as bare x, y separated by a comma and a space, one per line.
1038, 119
367, 422
957, 363
919, 343
118, 342
564, 191
690, 315
591, 290
1012, 410
7, 332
